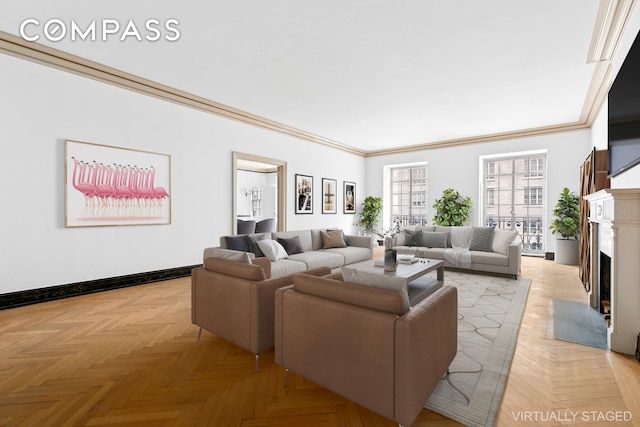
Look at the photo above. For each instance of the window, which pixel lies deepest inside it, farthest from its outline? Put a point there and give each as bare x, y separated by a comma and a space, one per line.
533, 195
513, 187
409, 195
491, 196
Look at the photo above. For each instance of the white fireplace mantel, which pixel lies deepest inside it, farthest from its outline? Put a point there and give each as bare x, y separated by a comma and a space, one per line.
614, 215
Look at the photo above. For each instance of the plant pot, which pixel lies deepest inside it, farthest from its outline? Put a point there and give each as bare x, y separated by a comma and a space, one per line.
567, 251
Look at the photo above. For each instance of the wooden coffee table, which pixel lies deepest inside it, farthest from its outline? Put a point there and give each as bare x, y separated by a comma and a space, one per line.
408, 271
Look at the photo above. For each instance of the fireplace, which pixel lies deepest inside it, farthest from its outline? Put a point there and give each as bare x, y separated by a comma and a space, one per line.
604, 285
614, 217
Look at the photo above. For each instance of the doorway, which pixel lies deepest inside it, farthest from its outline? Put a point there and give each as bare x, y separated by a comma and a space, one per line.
259, 190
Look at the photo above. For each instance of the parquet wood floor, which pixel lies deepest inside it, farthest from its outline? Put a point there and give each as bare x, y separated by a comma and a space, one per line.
129, 357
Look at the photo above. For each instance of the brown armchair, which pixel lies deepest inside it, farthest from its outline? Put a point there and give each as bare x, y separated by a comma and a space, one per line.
359, 342
235, 301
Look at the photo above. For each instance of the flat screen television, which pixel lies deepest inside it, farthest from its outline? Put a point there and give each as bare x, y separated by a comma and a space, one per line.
624, 115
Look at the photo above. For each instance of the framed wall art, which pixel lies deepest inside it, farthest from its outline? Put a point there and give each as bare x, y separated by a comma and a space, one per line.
304, 194
329, 196
107, 186
349, 197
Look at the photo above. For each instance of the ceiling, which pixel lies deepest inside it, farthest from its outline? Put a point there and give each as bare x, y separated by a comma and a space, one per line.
371, 75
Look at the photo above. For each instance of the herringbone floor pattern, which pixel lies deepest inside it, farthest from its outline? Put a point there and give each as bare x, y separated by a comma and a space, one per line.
130, 357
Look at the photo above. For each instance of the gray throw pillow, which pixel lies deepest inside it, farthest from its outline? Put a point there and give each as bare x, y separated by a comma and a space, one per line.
252, 241
292, 245
412, 237
482, 239
237, 243
434, 239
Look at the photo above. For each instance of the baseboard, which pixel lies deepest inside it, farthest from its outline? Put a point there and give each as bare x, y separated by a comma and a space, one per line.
33, 296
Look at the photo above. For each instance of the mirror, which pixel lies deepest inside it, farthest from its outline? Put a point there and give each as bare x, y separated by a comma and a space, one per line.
259, 193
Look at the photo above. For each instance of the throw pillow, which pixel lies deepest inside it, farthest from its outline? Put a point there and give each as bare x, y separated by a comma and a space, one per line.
332, 239
292, 245
272, 249
482, 239
237, 243
502, 239
377, 280
412, 237
434, 239
252, 241
231, 255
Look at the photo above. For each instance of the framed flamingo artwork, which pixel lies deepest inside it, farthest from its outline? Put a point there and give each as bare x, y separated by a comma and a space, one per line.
108, 186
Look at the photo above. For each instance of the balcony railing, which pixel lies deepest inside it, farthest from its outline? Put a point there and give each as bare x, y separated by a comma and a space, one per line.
528, 228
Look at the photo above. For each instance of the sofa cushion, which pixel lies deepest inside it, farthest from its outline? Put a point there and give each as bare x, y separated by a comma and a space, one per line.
445, 229
502, 239
229, 255
352, 254
252, 241
237, 243
482, 239
412, 237
434, 239
321, 258
377, 280
272, 249
291, 245
332, 239
491, 258
349, 293
286, 267
304, 235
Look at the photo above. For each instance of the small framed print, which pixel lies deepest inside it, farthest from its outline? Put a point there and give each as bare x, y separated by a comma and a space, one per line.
349, 197
304, 194
329, 196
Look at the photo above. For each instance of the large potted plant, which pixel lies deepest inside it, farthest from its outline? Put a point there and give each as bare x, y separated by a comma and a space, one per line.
567, 224
370, 213
452, 208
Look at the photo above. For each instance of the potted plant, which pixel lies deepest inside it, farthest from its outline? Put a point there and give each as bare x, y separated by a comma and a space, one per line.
452, 208
370, 213
567, 224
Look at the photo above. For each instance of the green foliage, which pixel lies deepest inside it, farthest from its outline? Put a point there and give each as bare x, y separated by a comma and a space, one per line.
567, 213
370, 212
452, 208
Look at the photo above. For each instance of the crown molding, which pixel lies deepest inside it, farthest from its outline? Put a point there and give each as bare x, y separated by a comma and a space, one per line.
611, 21
45, 55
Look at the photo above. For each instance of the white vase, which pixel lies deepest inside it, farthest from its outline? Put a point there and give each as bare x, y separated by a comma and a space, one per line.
567, 251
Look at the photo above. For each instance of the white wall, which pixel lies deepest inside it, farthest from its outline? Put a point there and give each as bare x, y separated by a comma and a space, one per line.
40, 107
458, 168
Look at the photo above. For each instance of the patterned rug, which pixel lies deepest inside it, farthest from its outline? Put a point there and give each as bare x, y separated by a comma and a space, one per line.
489, 314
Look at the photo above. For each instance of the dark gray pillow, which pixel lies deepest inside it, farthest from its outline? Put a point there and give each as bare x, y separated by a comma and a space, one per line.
434, 239
252, 241
237, 243
292, 245
482, 239
412, 237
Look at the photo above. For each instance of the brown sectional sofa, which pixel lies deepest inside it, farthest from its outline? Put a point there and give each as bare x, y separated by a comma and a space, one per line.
504, 256
359, 342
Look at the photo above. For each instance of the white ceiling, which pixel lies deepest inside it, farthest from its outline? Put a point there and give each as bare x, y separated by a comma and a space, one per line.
368, 74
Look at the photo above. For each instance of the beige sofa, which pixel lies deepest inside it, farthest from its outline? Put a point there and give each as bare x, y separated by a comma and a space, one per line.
502, 254
236, 301
316, 252
361, 343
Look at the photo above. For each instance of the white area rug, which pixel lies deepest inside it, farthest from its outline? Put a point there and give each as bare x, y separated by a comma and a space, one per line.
489, 314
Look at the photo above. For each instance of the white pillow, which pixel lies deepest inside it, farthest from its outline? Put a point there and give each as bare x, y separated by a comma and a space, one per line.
272, 249
376, 280
502, 239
